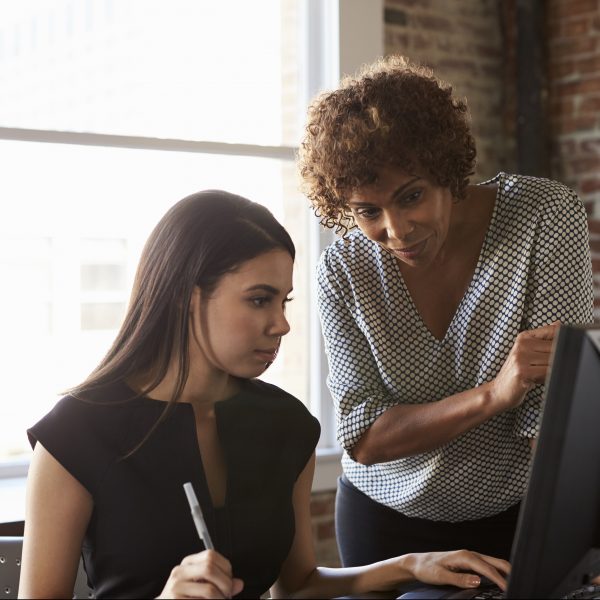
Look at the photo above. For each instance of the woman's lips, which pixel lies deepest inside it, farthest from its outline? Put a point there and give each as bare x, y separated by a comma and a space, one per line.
410, 252
268, 355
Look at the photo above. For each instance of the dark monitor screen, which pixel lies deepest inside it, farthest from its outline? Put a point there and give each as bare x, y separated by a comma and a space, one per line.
557, 545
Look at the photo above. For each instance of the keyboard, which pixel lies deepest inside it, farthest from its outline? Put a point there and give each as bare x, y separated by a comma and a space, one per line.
587, 591
487, 591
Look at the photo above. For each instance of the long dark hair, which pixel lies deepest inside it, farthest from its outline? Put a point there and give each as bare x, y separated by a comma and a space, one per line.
201, 238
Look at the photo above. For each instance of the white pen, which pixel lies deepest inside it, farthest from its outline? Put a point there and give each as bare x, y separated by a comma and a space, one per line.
201, 527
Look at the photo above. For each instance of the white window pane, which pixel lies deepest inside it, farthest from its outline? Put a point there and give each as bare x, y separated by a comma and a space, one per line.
189, 69
73, 220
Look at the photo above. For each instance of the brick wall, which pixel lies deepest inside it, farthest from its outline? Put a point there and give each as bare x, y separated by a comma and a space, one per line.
573, 54
462, 41
322, 510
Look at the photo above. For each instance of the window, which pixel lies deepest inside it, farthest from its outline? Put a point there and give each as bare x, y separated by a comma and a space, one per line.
112, 111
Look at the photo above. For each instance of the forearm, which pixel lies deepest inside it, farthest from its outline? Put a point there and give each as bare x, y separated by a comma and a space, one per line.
405, 430
329, 582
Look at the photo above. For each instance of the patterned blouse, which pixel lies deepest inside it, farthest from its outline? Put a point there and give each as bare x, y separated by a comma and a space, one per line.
534, 268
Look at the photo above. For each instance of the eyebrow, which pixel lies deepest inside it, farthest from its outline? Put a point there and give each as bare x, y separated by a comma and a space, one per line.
264, 287
395, 193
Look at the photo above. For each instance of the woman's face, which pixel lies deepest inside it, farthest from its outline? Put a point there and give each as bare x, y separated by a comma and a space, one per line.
239, 327
405, 214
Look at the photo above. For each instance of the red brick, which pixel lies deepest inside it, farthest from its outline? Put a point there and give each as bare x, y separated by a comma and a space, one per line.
588, 65
322, 506
569, 8
589, 104
559, 70
568, 125
588, 186
594, 225
326, 531
581, 86
408, 3
575, 27
562, 107
590, 146
582, 165
596, 265
595, 246
433, 23
563, 47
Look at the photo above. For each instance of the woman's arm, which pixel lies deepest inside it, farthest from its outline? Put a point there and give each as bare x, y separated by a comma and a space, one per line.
405, 430
301, 578
58, 510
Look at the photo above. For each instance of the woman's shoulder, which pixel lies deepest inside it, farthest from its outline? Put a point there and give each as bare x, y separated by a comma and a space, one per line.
276, 397
92, 415
346, 248
538, 193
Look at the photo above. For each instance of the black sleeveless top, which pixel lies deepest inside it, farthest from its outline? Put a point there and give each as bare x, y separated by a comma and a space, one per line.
141, 526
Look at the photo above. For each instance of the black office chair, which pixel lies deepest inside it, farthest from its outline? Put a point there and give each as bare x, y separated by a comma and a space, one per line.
10, 570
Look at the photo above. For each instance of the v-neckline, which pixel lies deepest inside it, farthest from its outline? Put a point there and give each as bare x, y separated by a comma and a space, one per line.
498, 179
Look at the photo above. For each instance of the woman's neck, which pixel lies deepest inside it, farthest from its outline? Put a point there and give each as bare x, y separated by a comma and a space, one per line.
202, 388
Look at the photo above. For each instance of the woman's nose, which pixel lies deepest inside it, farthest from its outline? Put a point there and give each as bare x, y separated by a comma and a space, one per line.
280, 325
398, 227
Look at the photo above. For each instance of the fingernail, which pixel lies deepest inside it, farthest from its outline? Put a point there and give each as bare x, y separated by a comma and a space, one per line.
474, 581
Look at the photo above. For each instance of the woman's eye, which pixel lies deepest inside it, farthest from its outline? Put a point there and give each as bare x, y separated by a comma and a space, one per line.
367, 213
412, 198
260, 301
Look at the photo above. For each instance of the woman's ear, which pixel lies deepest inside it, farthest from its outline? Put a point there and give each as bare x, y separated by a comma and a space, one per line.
195, 300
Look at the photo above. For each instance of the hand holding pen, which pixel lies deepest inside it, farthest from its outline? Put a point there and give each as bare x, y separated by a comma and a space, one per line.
206, 574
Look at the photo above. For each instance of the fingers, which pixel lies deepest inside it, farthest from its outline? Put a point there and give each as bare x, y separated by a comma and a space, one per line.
546, 332
207, 574
494, 569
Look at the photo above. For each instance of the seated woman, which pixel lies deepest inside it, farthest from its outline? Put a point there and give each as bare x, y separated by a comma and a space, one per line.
438, 309
175, 400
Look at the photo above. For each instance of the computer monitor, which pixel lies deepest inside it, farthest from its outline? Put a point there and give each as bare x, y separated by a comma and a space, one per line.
557, 545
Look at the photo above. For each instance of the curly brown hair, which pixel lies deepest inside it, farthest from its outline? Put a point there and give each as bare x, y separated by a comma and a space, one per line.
392, 113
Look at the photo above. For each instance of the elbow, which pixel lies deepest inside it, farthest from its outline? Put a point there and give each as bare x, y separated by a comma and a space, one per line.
364, 454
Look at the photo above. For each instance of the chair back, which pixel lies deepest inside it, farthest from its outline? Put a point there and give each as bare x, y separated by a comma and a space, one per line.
10, 570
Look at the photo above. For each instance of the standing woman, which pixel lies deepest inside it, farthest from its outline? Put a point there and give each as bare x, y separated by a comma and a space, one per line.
175, 400
438, 313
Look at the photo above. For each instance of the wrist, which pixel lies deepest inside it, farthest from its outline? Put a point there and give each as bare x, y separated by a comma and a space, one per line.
407, 566
494, 402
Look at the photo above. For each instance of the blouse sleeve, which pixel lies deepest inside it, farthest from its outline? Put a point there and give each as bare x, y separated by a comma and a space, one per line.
354, 381
560, 286
75, 433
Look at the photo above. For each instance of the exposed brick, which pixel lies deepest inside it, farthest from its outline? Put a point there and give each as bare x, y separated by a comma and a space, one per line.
322, 505
594, 225
575, 124
565, 10
574, 27
579, 166
561, 70
581, 86
560, 47
562, 107
588, 65
589, 185
589, 146
326, 531
589, 104
433, 23
408, 3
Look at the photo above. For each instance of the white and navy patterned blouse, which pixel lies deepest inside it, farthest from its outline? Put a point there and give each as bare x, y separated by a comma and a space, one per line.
534, 268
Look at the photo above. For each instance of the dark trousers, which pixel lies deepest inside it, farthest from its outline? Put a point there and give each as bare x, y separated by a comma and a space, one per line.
367, 531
